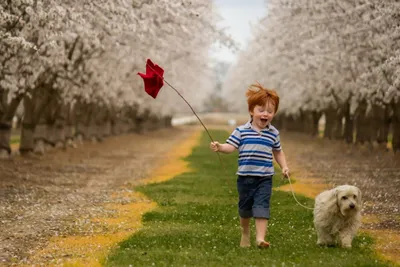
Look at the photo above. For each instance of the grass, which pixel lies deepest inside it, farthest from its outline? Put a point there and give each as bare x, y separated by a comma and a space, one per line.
196, 224
14, 139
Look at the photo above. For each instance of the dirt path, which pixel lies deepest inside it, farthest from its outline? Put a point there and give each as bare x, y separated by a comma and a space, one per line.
59, 193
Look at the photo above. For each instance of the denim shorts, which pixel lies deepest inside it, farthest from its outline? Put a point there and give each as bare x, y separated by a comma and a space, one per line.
254, 196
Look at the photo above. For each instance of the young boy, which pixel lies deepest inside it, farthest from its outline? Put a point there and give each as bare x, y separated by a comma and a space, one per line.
258, 142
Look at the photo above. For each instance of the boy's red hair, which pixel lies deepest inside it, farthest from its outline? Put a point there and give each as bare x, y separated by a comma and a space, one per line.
258, 95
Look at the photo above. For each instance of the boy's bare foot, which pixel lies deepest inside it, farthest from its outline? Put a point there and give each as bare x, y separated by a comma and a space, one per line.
245, 241
263, 244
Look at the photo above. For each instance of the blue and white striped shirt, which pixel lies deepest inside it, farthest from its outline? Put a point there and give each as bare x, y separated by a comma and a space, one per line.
255, 149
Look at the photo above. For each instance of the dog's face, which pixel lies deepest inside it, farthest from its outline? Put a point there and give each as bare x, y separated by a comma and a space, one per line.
348, 199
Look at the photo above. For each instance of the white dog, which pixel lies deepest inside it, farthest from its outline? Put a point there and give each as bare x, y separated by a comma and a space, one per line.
337, 215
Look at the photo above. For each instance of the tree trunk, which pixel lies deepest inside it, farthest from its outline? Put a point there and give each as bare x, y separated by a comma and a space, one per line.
99, 123
114, 127
69, 126
383, 126
361, 122
84, 120
396, 128
168, 121
338, 126
69, 122
5, 135
142, 122
33, 110
47, 132
153, 122
55, 135
39, 137
315, 116
77, 120
131, 120
107, 132
330, 117
348, 124
289, 123
278, 121
301, 123
28, 127
7, 112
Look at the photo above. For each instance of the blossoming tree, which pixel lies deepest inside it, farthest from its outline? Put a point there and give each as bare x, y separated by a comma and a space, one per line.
73, 64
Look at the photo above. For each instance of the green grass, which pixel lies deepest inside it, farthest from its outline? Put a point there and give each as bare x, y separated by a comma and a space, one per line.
196, 224
14, 139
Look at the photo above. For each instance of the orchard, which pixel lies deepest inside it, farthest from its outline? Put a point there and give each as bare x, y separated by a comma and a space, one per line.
69, 68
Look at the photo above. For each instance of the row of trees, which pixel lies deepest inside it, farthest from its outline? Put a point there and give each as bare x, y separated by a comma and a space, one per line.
338, 59
72, 65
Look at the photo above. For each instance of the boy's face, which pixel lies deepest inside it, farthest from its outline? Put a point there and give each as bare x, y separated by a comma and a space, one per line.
263, 115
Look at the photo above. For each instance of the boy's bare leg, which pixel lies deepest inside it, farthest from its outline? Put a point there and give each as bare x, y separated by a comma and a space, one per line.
245, 225
261, 229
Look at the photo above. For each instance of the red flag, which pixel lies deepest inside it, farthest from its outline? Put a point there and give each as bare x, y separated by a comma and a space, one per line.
153, 78
153, 81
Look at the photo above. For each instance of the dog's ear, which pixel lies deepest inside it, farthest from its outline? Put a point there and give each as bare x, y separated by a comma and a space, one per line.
335, 195
333, 198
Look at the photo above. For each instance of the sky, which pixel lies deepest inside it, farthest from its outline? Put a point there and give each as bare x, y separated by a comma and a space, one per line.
237, 16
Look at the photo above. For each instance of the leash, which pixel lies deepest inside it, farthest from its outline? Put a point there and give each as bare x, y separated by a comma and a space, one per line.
291, 189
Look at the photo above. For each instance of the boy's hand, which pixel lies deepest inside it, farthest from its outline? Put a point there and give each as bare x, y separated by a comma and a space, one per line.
285, 172
214, 146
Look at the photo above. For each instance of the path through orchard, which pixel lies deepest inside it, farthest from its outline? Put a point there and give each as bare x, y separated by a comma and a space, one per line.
81, 194
72, 206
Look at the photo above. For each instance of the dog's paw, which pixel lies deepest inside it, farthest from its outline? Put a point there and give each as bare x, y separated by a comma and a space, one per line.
326, 242
322, 243
345, 245
345, 241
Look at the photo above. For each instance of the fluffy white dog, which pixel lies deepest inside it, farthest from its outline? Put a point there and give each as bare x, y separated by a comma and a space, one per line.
337, 215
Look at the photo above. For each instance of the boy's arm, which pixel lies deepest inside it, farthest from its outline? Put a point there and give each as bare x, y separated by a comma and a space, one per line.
281, 159
224, 148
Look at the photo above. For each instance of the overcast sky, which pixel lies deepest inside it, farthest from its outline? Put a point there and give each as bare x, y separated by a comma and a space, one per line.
237, 16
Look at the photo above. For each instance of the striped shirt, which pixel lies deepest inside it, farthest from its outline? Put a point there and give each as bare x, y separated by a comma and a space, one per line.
255, 149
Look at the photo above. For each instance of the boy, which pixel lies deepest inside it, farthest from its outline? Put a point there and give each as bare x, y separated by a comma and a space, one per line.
258, 142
